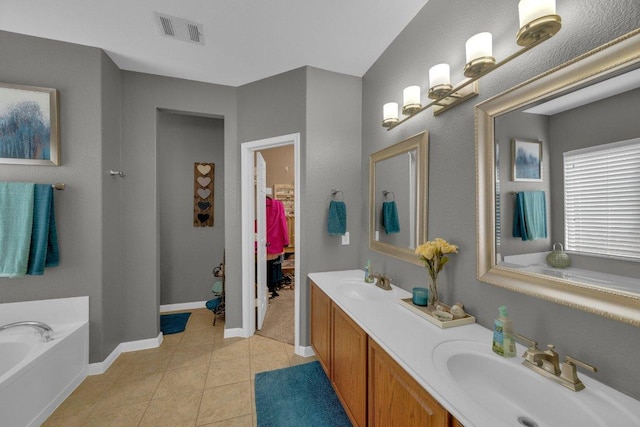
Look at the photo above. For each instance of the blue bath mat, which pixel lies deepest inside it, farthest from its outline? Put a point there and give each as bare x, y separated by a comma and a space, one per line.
298, 396
173, 323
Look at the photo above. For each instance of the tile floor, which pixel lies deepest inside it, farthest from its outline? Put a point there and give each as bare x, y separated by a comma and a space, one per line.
195, 378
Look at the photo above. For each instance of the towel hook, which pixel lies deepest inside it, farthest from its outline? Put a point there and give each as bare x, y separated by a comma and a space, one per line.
335, 191
385, 193
116, 173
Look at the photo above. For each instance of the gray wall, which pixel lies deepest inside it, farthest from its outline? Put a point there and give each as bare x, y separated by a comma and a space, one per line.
187, 253
142, 96
324, 107
532, 127
429, 39
609, 120
77, 73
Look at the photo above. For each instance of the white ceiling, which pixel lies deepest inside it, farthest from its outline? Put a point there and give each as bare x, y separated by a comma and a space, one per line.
245, 40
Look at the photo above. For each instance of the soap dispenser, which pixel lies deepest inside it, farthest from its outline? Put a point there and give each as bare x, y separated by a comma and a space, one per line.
503, 337
368, 274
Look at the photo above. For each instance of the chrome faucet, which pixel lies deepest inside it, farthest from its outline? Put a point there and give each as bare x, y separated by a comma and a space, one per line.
383, 282
547, 364
45, 331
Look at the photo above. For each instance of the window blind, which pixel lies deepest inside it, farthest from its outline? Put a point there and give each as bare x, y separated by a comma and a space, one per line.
602, 199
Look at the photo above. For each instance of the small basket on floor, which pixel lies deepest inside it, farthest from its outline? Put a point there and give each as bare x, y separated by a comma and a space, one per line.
216, 304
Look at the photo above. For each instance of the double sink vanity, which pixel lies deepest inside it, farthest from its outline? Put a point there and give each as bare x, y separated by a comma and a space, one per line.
389, 366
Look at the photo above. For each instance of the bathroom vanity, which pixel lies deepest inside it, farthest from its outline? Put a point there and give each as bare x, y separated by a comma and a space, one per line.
390, 366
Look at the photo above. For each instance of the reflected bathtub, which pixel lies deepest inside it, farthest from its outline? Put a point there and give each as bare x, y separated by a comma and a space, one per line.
36, 376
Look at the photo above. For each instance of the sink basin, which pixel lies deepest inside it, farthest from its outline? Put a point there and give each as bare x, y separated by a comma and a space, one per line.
495, 390
361, 291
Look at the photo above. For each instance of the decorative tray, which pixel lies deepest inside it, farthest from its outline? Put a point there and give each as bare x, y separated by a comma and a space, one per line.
422, 311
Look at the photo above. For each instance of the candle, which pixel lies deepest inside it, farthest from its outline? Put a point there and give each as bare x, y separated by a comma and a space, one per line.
420, 296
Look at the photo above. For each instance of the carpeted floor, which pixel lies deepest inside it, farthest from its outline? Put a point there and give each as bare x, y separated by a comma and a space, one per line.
296, 397
173, 323
279, 320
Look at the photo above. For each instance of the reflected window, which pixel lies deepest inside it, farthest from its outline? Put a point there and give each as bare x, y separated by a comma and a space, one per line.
602, 200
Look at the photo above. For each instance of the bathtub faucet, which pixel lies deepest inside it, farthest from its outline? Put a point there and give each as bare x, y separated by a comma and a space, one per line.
45, 331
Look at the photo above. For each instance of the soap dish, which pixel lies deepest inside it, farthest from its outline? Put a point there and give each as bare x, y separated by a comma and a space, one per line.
439, 321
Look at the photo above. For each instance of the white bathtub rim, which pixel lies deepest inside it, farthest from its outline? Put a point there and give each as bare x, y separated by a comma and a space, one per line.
38, 349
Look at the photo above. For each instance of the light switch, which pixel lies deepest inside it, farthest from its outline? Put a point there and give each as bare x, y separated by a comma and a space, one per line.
345, 238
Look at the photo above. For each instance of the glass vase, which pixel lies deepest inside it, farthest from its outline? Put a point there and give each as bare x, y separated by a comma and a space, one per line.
432, 285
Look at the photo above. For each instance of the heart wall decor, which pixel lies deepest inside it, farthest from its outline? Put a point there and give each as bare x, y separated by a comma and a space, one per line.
203, 179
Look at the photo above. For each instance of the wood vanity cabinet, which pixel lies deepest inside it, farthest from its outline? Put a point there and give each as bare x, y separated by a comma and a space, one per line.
321, 327
372, 387
396, 399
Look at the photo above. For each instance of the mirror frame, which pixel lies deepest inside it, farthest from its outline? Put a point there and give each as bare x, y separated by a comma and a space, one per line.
420, 143
618, 305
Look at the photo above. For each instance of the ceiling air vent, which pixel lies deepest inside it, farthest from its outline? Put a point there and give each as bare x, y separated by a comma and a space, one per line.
179, 29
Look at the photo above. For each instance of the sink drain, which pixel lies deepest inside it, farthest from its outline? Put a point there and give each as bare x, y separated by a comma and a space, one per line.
527, 422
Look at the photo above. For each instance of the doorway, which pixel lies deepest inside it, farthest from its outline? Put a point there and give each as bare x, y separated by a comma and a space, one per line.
248, 150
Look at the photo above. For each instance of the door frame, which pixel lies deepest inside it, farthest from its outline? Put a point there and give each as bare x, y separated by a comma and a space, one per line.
247, 150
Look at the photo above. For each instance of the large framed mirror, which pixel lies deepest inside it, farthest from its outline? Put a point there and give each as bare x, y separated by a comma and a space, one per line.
569, 119
398, 183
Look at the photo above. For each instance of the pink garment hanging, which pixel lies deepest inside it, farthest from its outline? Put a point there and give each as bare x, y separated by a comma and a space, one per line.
277, 230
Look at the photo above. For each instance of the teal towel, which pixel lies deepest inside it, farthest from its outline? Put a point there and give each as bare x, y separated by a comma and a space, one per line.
337, 221
530, 215
16, 220
390, 218
44, 237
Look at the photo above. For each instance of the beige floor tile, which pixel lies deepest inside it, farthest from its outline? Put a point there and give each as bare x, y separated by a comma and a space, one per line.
228, 371
269, 362
125, 416
83, 398
79, 419
182, 380
129, 390
175, 411
171, 340
225, 402
197, 337
294, 359
148, 361
260, 345
233, 348
191, 356
243, 421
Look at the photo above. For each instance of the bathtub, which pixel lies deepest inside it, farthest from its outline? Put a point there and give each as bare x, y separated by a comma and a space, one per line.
35, 376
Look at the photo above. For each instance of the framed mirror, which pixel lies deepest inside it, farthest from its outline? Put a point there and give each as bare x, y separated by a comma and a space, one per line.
586, 107
398, 183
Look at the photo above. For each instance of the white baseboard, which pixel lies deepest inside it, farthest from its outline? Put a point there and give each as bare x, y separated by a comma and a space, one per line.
124, 347
234, 332
305, 351
182, 306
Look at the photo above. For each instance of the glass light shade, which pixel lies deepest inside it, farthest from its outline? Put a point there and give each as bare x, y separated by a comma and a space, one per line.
411, 96
530, 10
439, 75
390, 111
479, 46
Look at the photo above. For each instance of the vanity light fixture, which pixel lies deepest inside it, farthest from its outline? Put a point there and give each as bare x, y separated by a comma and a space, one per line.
390, 114
411, 100
538, 23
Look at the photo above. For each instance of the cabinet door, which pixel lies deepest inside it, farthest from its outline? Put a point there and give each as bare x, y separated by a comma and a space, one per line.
396, 399
321, 327
349, 365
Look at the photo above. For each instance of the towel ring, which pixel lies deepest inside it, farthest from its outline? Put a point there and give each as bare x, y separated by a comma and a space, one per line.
385, 193
334, 192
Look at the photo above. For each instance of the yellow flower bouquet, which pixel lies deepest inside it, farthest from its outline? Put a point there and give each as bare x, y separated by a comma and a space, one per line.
433, 255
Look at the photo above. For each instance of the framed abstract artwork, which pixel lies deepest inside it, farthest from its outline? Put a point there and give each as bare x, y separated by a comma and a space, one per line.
526, 160
29, 125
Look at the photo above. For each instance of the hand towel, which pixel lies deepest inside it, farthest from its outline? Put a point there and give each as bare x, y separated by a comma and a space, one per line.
16, 221
44, 236
337, 221
390, 219
277, 228
530, 215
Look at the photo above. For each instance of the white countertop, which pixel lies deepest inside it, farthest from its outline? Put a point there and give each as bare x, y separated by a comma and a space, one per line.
410, 340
